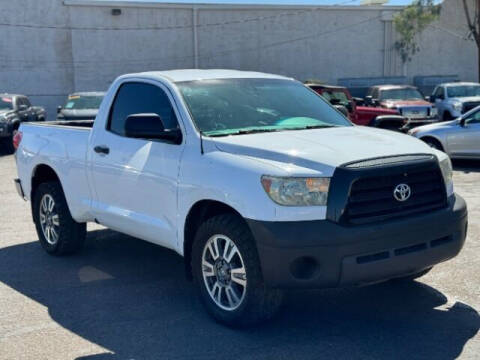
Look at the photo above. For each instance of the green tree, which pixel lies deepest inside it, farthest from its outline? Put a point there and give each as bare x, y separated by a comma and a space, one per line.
410, 23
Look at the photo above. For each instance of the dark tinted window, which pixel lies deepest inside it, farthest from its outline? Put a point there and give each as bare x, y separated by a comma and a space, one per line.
27, 102
138, 98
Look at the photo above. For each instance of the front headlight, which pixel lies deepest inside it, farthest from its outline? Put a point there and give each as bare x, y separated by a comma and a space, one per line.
457, 106
295, 191
447, 172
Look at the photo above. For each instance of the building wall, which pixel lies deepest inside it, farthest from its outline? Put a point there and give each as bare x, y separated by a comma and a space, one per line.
74, 45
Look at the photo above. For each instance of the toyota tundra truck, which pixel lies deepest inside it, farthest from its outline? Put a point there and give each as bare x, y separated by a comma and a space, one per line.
257, 181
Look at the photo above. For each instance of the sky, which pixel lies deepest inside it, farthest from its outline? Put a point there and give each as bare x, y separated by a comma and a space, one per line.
289, 2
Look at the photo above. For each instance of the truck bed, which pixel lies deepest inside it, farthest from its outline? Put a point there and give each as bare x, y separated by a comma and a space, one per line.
72, 123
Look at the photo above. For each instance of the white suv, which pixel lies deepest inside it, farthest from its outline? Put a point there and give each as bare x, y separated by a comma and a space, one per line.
454, 99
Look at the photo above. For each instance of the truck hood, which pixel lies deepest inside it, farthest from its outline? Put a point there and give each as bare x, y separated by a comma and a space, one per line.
465, 99
80, 114
377, 110
404, 103
320, 148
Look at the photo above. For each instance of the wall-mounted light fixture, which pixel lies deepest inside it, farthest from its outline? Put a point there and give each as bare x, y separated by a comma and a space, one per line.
116, 12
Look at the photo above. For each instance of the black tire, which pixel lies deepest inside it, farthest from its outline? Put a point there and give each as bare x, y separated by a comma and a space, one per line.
259, 302
433, 143
412, 277
71, 235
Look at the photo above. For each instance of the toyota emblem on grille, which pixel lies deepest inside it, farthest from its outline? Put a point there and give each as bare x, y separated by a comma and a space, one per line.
402, 192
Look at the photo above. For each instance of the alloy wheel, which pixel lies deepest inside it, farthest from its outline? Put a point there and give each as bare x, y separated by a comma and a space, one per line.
49, 219
223, 271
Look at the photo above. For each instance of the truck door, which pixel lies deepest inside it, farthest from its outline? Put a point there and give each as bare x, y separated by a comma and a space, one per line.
135, 180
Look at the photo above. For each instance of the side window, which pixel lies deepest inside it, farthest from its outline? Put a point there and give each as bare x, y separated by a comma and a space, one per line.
473, 118
440, 93
27, 102
18, 102
376, 93
138, 98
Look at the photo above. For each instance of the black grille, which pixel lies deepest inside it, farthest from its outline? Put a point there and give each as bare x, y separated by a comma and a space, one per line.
470, 105
371, 198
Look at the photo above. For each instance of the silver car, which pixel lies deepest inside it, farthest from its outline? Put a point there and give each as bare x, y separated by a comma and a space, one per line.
459, 138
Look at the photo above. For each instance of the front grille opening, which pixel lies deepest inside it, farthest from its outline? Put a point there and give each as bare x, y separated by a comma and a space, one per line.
410, 249
374, 257
441, 241
371, 198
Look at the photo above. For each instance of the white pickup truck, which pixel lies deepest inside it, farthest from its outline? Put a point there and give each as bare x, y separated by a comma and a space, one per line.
254, 179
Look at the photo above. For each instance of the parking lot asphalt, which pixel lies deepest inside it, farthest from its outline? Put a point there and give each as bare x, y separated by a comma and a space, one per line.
122, 298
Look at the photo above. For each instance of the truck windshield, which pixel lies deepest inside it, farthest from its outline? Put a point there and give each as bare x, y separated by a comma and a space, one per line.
6, 104
401, 94
240, 106
463, 91
77, 102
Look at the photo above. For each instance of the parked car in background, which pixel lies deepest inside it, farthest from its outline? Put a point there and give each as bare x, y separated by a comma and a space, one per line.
360, 115
15, 109
454, 99
406, 99
81, 106
258, 182
459, 138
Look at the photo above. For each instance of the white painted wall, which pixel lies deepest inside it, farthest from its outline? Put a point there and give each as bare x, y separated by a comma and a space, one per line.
73, 45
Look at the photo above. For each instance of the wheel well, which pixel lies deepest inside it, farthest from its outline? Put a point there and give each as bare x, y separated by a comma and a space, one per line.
41, 174
432, 139
198, 214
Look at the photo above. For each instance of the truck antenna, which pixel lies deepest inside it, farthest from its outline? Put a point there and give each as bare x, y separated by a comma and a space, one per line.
201, 143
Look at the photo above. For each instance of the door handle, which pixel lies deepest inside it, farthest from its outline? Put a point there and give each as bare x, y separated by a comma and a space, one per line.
101, 149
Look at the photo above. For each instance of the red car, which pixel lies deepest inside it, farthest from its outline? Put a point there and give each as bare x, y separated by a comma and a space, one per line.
406, 99
360, 115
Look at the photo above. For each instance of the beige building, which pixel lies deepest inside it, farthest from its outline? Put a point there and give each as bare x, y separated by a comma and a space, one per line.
53, 47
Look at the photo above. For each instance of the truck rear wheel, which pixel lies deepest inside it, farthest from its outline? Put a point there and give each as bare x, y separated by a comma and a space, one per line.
227, 274
57, 231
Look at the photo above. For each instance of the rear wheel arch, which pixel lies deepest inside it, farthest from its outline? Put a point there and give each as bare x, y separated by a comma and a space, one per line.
200, 212
41, 174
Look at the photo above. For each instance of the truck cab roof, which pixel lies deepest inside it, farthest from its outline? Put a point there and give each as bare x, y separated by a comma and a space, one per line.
211, 74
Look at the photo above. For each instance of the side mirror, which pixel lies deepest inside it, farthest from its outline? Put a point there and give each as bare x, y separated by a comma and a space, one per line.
59, 108
463, 122
368, 100
23, 107
150, 126
430, 98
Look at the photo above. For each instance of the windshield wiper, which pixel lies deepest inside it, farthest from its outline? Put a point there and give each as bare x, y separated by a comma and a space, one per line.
243, 132
253, 131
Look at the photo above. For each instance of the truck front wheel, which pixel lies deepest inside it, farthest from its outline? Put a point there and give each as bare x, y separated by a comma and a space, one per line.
227, 274
57, 231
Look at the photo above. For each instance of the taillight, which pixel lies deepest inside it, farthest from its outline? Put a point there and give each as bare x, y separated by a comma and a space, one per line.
17, 138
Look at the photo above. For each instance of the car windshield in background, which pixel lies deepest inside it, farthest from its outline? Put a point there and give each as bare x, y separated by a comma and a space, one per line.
401, 94
336, 97
463, 91
240, 106
6, 103
77, 102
